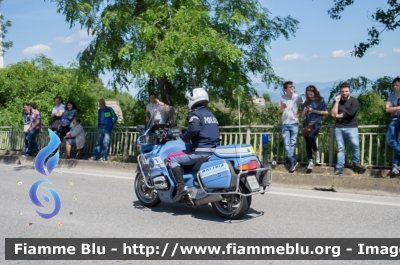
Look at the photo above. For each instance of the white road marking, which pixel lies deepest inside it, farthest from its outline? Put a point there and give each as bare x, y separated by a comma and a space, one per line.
332, 199
270, 192
98, 175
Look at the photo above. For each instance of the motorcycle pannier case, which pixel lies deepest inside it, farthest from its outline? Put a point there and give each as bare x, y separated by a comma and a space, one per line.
215, 174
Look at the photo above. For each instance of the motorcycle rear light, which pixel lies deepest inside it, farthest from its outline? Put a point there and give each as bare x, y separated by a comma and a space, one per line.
249, 166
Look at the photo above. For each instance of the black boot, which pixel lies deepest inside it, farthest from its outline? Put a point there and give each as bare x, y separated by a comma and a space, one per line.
180, 184
358, 167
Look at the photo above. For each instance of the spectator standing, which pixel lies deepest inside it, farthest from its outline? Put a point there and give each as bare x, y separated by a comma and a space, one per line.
33, 130
76, 136
26, 116
163, 114
289, 106
344, 110
313, 110
392, 134
66, 120
56, 115
152, 106
106, 120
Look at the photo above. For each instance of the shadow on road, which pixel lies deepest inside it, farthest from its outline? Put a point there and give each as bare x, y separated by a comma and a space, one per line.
204, 212
26, 167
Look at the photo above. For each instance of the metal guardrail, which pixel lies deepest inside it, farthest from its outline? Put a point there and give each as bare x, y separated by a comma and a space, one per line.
122, 142
373, 148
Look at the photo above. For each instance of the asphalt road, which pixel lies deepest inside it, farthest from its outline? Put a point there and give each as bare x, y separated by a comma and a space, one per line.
103, 204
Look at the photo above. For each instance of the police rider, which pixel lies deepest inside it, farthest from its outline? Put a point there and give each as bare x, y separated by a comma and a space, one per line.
203, 131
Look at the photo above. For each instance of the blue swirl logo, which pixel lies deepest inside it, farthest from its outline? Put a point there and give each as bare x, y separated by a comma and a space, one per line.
35, 199
45, 152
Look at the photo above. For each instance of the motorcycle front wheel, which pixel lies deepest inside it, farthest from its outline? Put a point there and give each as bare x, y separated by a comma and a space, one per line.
147, 197
233, 206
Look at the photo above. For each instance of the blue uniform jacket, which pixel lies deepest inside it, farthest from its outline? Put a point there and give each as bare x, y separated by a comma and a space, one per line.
110, 118
203, 129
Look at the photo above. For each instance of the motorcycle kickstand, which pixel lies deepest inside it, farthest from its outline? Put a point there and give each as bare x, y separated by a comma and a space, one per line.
191, 201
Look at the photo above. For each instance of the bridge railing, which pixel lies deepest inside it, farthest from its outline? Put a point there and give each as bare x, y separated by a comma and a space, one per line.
373, 148
122, 142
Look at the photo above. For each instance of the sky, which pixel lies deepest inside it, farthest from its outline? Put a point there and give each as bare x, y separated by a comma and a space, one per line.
319, 51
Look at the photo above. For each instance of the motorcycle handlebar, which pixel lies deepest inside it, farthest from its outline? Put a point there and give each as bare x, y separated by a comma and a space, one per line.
161, 134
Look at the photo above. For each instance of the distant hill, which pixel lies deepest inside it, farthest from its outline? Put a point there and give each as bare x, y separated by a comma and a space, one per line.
323, 87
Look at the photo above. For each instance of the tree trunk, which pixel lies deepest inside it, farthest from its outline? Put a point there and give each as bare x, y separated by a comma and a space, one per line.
165, 90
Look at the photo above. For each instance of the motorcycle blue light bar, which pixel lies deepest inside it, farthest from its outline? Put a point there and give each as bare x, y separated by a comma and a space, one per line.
265, 138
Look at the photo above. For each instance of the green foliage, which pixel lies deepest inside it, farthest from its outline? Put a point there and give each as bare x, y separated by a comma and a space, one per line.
5, 24
383, 86
357, 85
388, 18
171, 46
372, 109
372, 97
266, 97
256, 115
269, 114
39, 80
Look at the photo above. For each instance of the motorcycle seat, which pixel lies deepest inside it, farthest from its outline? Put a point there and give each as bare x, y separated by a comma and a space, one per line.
195, 167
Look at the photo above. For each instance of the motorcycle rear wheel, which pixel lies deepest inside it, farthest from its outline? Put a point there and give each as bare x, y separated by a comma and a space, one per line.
147, 197
234, 206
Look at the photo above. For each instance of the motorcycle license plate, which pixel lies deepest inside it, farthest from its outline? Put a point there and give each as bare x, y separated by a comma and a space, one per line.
253, 183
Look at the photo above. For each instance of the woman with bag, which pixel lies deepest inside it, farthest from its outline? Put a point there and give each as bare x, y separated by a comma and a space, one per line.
312, 111
66, 119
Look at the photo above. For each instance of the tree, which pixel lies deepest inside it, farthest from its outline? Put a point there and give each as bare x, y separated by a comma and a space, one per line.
358, 84
40, 80
3, 29
389, 18
5, 24
372, 96
381, 86
266, 97
171, 46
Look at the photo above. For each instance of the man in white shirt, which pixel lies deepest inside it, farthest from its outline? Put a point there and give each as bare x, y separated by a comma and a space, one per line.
152, 106
289, 106
56, 115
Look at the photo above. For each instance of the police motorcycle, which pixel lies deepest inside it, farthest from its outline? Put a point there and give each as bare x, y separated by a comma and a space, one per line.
227, 179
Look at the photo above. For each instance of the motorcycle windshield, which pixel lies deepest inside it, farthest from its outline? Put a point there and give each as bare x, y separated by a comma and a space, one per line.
164, 114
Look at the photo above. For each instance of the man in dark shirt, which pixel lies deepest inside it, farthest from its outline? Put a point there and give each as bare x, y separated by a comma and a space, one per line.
346, 128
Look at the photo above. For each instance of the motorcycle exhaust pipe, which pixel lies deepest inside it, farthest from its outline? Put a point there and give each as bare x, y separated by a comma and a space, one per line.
208, 199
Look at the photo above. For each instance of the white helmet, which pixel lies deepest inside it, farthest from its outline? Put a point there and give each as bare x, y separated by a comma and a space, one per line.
196, 96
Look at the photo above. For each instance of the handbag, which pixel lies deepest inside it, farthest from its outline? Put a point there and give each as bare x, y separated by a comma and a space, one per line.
308, 129
55, 125
26, 127
64, 122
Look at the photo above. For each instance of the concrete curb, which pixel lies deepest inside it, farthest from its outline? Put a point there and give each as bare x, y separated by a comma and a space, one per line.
72, 163
372, 182
347, 184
